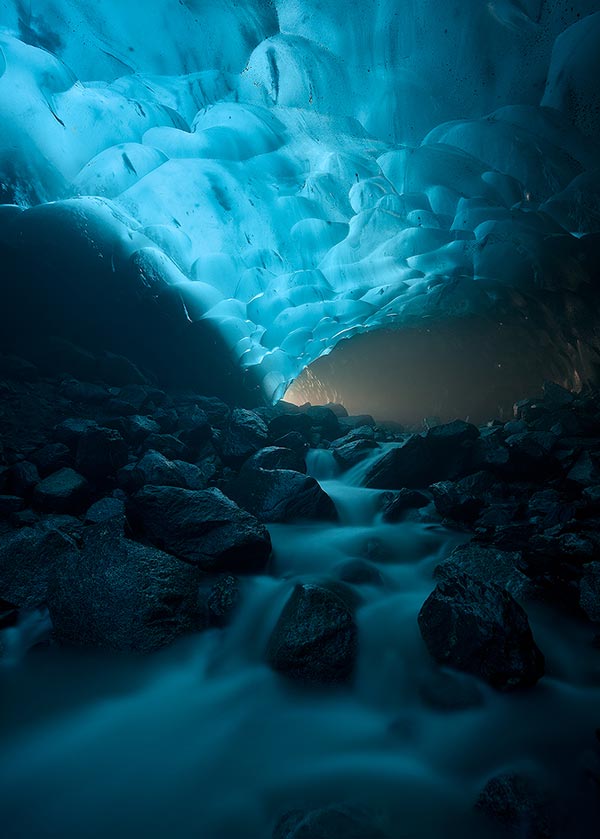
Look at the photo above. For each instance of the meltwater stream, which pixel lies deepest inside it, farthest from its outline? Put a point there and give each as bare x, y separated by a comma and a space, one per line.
203, 740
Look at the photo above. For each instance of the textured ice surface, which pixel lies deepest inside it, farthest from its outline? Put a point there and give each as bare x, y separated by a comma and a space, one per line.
294, 171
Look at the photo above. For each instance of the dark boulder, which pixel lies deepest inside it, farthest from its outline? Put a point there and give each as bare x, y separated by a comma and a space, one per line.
408, 465
201, 527
280, 495
333, 822
155, 469
51, 458
284, 424
479, 628
136, 428
324, 422
71, 430
86, 393
9, 614
513, 803
66, 491
27, 557
9, 505
245, 434
101, 452
353, 452
120, 595
450, 447
104, 510
452, 503
222, 600
315, 639
488, 564
23, 477
293, 440
167, 445
276, 457
397, 505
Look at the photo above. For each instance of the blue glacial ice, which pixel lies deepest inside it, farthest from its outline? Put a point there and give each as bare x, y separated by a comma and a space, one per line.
295, 173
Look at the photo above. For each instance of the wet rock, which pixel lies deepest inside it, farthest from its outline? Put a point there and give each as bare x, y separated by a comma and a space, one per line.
513, 803
136, 428
101, 452
479, 628
315, 639
104, 510
451, 503
555, 396
23, 478
280, 495
409, 465
333, 822
84, 392
585, 472
27, 558
396, 506
324, 422
490, 454
71, 430
244, 435
530, 457
120, 595
155, 469
51, 458
357, 421
276, 457
589, 591
196, 430
10, 504
222, 600
294, 441
65, 491
129, 401
488, 564
353, 452
285, 424
449, 447
204, 528
168, 420
167, 445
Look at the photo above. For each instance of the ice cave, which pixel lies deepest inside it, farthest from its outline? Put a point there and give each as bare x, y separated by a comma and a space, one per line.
300, 419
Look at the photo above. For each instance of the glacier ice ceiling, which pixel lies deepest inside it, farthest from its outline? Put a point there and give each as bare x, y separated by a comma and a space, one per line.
256, 181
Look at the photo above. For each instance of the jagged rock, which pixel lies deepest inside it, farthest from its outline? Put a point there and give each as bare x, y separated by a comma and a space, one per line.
120, 595
23, 477
196, 429
449, 447
490, 454
589, 591
101, 452
202, 527
395, 506
315, 639
85, 392
104, 510
168, 420
71, 430
51, 458
479, 628
324, 421
10, 504
136, 428
129, 401
585, 471
353, 452
27, 558
276, 457
363, 432
357, 421
280, 495
294, 441
155, 469
451, 503
244, 435
489, 565
513, 803
557, 396
222, 600
409, 465
333, 822
65, 491
167, 445
285, 424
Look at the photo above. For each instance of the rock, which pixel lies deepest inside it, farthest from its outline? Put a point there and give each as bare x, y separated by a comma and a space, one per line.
589, 591
408, 465
363, 432
65, 491
101, 452
244, 435
585, 472
216, 410
315, 639
395, 506
165, 444
84, 392
136, 428
333, 822
450, 692
27, 558
201, 527
70, 431
294, 441
23, 478
9, 614
325, 422
530, 458
24, 518
129, 401
155, 469
451, 503
285, 424
280, 495
488, 564
10, 504
168, 420
51, 458
222, 600
104, 510
479, 628
556, 396
490, 454
196, 431
120, 595
512, 802
276, 457
357, 421
353, 452
451, 434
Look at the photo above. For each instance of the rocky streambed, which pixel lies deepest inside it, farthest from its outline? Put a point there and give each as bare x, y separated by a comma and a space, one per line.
292, 623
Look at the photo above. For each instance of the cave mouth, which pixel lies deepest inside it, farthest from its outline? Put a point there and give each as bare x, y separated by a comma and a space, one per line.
473, 368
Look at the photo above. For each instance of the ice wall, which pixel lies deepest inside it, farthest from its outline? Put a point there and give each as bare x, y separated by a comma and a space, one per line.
294, 173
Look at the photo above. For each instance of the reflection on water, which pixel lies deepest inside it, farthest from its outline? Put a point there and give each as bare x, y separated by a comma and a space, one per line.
203, 740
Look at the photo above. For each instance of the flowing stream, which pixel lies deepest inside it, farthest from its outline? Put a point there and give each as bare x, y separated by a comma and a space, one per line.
203, 740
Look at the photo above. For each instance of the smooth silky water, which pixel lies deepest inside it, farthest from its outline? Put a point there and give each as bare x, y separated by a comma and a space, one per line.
203, 740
